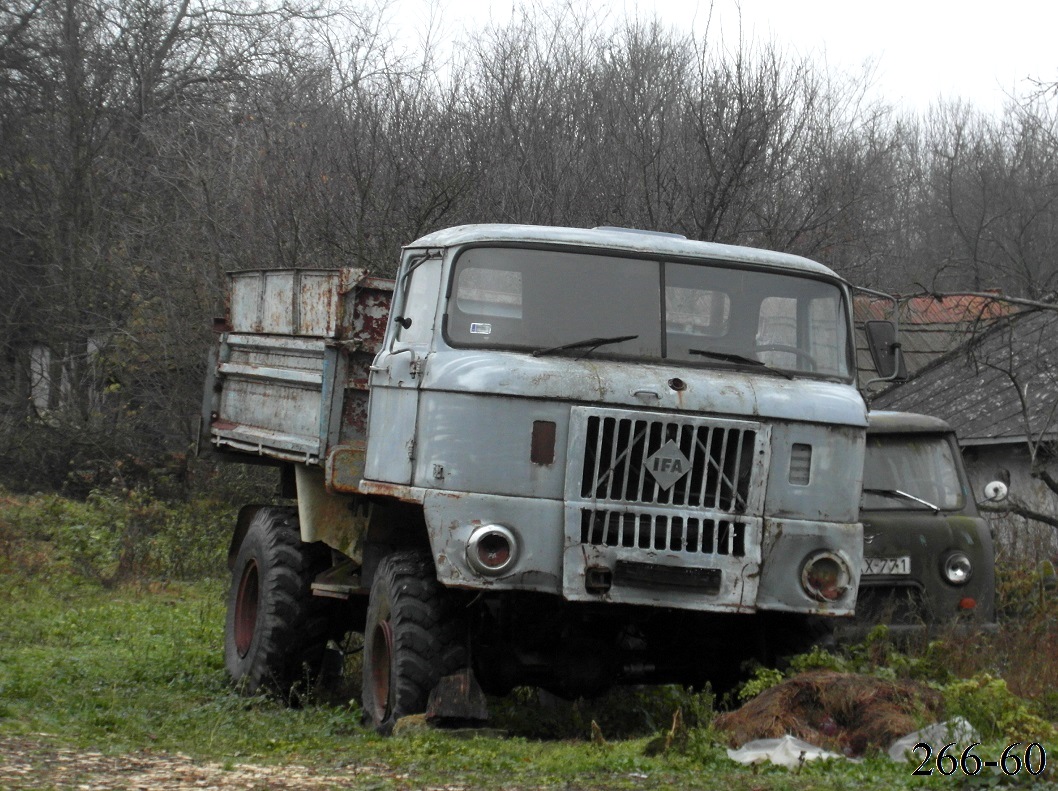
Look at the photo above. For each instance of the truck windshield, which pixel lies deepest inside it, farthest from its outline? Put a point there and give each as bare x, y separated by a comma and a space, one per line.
698, 314
910, 473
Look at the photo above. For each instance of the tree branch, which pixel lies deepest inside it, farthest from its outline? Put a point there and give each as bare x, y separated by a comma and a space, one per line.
1019, 509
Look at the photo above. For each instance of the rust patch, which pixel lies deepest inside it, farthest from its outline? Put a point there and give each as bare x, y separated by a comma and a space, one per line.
354, 415
542, 449
395, 490
372, 297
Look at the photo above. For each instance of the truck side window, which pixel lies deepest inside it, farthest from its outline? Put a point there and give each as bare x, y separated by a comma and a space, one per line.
420, 303
697, 312
494, 293
811, 324
824, 320
778, 326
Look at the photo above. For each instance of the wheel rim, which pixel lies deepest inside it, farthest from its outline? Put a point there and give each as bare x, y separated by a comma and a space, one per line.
246, 603
381, 667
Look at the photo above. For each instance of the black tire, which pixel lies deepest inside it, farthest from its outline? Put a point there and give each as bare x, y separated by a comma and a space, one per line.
414, 637
276, 631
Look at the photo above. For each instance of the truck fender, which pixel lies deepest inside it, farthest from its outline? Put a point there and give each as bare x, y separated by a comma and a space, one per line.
242, 524
394, 526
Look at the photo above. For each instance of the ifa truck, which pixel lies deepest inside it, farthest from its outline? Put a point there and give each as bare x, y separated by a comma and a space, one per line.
555, 457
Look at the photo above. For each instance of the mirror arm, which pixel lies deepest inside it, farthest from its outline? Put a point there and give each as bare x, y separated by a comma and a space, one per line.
898, 356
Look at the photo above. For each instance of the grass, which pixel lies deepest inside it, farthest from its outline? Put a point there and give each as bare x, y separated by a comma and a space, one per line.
91, 662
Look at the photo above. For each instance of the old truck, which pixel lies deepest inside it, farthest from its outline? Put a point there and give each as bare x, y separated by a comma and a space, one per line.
928, 562
559, 457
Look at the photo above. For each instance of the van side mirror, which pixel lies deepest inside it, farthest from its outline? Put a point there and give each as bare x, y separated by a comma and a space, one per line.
885, 350
995, 492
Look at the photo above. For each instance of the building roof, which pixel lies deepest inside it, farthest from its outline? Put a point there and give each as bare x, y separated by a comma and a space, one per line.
930, 327
1000, 386
622, 239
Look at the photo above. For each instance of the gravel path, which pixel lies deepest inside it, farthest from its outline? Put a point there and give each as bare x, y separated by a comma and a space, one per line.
29, 764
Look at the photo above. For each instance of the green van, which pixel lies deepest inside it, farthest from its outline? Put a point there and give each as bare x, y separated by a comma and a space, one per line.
928, 556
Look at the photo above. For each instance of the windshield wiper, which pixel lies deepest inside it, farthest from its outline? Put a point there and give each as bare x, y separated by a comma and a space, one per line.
896, 494
590, 343
728, 357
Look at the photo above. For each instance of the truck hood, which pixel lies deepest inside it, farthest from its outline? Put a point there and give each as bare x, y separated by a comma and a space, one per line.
642, 385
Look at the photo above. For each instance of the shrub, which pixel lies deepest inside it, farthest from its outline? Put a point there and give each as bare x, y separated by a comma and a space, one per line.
115, 536
998, 714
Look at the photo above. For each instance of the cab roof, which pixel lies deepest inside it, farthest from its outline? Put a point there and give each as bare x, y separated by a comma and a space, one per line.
619, 239
882, 422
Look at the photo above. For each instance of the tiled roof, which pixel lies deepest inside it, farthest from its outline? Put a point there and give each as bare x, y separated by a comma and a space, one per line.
996, 387
928, 309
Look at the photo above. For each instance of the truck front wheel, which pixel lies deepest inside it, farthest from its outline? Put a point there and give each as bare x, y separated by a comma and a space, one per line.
413, 639
276, 631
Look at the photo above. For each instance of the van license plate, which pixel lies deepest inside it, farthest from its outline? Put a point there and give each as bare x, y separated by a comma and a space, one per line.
887, 566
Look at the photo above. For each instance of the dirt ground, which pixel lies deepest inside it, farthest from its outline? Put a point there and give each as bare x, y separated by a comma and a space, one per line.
29, 764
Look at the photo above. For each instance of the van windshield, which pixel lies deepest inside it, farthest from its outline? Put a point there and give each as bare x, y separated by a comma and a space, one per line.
700, 314
910, 473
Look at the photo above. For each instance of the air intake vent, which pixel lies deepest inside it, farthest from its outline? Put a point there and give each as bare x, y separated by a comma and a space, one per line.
801, 464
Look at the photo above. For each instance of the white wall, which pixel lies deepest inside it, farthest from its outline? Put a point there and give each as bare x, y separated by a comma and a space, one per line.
1015, 536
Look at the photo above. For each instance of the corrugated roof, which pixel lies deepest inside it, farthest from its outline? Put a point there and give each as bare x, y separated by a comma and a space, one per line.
999, 386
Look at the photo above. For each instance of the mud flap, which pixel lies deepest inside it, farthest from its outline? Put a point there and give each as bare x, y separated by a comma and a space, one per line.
457, 699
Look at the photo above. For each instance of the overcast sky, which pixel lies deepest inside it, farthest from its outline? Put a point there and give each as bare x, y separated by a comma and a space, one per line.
921, 49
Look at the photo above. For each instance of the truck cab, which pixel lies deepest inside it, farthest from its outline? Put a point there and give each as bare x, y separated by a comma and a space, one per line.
644, 417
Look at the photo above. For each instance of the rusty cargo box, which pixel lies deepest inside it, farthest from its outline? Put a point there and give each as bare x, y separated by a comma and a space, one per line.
289, 381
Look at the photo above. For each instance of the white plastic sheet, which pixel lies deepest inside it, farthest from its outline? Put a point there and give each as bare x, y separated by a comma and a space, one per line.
788, 751
936, 735
791, 752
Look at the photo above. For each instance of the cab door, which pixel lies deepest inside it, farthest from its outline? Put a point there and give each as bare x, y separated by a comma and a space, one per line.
397, 372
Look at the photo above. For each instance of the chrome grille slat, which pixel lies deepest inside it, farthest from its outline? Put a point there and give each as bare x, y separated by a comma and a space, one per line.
687, 535
614, 470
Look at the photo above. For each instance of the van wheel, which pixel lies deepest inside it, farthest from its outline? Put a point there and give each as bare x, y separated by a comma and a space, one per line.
276, 631
414, 638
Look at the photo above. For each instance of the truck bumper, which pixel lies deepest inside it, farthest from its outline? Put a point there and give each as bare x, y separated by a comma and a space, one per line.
659, 560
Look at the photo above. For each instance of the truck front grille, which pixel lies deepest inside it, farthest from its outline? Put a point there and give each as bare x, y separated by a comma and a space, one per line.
664, 532
664, 509
618, 449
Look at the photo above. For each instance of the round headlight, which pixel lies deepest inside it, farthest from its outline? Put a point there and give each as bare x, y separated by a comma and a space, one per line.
957, 568
492, 549
825, 577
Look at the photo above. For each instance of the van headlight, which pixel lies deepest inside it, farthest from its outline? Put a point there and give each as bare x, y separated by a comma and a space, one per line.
957, 568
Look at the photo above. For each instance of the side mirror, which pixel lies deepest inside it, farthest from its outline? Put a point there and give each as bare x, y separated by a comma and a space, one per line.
885, 350
995, 492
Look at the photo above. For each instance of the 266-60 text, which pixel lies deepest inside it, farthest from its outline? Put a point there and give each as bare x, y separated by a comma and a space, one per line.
1033, 759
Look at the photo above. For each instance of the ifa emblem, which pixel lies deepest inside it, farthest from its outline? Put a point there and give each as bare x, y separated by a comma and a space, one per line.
667, 464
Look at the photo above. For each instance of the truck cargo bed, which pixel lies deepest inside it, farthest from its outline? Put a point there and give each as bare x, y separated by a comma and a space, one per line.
289, 377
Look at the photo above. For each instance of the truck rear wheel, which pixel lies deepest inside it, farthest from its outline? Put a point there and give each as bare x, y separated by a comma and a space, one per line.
276, 631
414, 638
